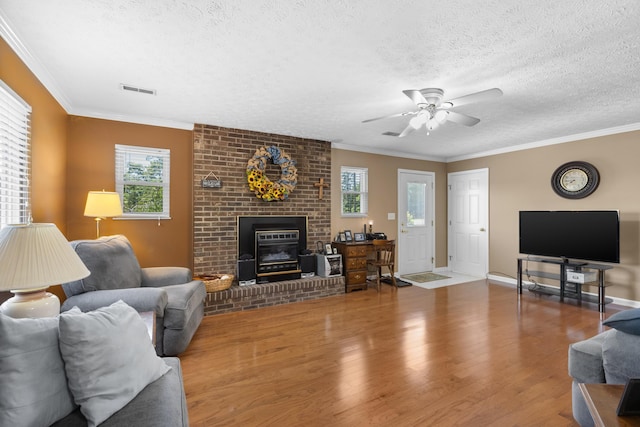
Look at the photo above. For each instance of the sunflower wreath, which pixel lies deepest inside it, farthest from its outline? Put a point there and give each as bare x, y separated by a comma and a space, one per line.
261, 185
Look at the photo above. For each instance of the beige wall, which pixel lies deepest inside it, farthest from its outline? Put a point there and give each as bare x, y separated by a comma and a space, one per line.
522, 181
383, 195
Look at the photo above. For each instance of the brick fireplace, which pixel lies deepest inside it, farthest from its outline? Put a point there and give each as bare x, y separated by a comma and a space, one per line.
225, 153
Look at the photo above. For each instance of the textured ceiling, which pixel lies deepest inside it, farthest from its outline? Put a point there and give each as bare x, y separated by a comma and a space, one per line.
316, 69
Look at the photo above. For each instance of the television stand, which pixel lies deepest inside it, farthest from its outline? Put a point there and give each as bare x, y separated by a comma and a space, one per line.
567, 288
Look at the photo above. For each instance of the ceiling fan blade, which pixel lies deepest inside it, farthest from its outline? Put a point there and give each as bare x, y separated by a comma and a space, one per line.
476, 97
415, 95
390, 116
409, 129
462, 119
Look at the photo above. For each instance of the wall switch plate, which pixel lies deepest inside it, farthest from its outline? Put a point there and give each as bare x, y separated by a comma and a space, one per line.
391, 216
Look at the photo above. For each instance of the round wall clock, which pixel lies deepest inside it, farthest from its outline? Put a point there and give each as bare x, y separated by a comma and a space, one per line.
575, 180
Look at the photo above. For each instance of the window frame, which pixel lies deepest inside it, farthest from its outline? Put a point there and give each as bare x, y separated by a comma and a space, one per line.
15, 158
364, 191
122, 152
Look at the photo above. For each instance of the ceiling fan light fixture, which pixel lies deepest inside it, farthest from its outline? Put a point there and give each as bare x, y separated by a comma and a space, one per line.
433, 111
416, 122
441, 116
421, 118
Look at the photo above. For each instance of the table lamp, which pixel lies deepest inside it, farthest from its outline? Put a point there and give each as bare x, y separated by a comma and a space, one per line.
101, 205
32, 258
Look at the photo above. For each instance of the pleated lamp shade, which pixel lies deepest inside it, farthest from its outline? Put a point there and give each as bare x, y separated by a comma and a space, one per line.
33, 257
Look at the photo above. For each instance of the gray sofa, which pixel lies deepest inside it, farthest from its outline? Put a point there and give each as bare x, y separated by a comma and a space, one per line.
161, 404
609, 357
170, 292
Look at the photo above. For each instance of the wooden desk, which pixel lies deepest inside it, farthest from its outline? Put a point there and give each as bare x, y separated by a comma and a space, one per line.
354, 259
602, 401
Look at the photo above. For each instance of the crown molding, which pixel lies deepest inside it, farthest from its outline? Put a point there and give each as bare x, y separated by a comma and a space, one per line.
32, 63
141, 120
341, 146
553, 141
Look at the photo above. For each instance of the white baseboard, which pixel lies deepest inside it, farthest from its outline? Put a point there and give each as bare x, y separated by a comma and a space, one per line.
512, 282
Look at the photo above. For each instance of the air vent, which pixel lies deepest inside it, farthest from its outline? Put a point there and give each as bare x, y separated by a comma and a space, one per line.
391, 134
137, 89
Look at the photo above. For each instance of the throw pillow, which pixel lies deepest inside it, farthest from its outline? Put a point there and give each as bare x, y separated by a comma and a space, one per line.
108, 358
33, 384
626, 321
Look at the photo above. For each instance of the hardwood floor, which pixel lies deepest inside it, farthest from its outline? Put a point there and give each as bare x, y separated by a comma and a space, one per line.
471, 354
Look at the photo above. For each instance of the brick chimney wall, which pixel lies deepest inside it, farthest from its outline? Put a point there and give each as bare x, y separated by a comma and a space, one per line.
225, 152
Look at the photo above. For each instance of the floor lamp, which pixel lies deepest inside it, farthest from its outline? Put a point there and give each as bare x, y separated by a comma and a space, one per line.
101, 205
32, 258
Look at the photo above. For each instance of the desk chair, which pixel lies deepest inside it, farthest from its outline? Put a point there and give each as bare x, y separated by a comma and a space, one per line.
384, 256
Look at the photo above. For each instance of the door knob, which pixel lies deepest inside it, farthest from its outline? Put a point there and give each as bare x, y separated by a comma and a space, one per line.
483, 229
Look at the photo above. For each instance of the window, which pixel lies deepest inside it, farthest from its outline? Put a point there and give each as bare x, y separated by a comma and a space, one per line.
142, 179
416, 203
353, 182
15, 159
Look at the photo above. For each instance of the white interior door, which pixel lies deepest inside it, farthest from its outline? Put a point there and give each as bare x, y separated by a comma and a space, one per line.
415, 221
468, 222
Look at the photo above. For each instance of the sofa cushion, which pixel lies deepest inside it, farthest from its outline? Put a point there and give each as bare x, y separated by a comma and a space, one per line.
620, 357
166, 397
626, 321
160, 404
108, 358
33, 384
112, 264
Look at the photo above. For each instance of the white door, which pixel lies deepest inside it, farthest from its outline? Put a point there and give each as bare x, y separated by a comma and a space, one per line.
415, 221
468, 222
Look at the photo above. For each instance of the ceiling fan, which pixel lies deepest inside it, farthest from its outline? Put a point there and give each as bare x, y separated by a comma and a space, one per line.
433, 111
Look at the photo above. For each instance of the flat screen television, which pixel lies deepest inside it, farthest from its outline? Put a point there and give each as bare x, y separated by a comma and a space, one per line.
571, 235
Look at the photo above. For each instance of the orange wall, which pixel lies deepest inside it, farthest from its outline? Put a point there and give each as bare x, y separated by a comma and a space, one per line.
91, 166
72, 155
48, 144
48, 139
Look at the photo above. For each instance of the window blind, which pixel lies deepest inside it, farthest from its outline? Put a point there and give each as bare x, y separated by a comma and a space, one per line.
354, 183
15, 157
139, 168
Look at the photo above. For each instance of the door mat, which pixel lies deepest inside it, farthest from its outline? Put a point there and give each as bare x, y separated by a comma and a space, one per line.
399, 283
424, 277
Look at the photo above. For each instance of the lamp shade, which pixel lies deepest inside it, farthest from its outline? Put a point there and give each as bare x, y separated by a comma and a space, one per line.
36, 256
103, 204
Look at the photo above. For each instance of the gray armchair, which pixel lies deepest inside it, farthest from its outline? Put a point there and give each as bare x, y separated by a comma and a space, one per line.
170, 292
